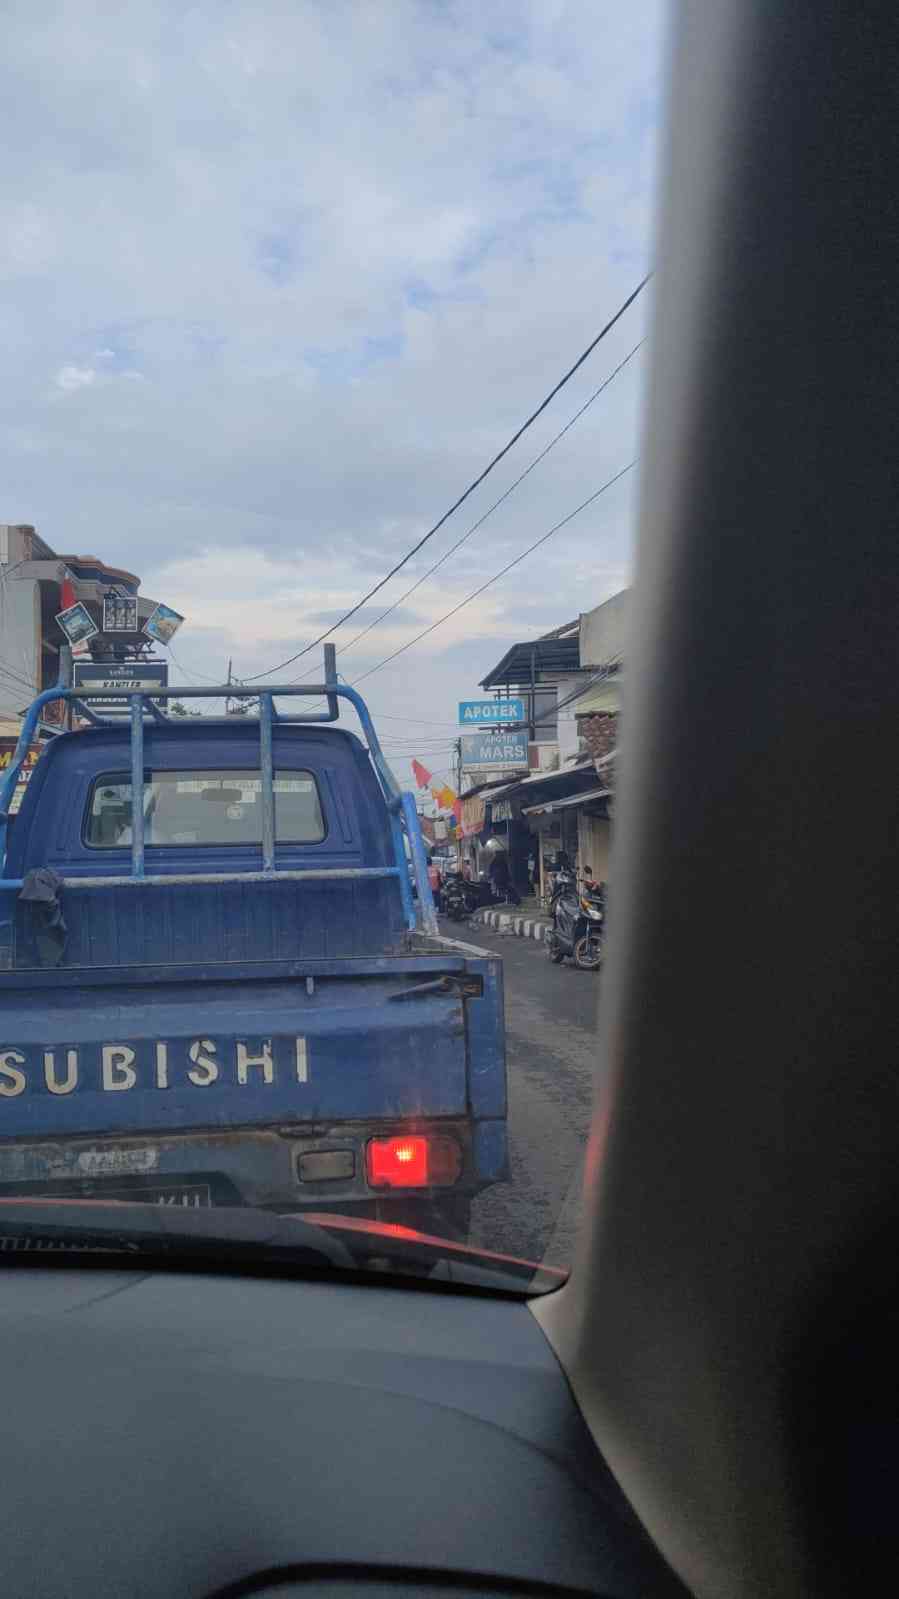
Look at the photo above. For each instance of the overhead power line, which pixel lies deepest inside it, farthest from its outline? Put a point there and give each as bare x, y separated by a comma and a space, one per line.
567, 376
204, 678
420, 721
237, 683
433, 740
602, 676
9, 671
345, 649
414, 748
497, 575
423, 738
416, 754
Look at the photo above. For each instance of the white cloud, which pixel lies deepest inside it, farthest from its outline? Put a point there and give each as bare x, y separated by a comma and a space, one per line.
70, 378
339, 251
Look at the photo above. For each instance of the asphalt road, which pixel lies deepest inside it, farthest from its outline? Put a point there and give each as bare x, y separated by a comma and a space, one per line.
551, 1016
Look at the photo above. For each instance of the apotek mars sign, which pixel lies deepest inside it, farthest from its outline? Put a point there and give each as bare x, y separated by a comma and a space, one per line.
494, 749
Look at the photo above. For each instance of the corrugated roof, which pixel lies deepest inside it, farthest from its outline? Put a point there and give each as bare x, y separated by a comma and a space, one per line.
488, 788
569, 799
584, 769
550, 655
583, 766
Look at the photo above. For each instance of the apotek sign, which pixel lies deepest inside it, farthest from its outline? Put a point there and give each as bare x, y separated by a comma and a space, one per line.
494, 749
490, 713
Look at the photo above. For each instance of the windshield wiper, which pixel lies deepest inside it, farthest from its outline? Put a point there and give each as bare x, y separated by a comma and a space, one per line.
441, 1259
224, 1234
239, 1236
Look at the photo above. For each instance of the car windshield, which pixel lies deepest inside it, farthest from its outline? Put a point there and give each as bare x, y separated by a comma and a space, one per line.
326, 344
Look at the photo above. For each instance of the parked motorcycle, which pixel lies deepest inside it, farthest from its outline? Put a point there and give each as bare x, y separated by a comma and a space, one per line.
462, 897
578, 920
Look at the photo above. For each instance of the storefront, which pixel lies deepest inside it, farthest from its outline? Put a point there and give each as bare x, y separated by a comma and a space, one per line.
506, 826
574, 825
594, 840
539, 815
474, 813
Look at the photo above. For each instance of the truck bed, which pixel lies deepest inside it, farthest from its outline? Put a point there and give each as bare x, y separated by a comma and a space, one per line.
318, 1051
293, 916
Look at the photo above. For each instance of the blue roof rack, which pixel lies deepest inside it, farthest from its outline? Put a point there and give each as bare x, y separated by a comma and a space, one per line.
404, 822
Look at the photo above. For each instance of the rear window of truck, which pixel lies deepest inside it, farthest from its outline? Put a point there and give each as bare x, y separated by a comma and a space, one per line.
204, 808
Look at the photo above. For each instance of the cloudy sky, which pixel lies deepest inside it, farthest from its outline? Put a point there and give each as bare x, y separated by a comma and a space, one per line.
278, 279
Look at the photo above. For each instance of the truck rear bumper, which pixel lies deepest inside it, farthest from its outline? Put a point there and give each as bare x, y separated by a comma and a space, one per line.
262, 1167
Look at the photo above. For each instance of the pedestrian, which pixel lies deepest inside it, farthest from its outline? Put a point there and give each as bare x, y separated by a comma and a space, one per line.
534, 872
500, 878
436, 881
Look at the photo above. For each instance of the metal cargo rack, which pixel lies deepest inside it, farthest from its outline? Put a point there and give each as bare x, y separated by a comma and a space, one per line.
404, 823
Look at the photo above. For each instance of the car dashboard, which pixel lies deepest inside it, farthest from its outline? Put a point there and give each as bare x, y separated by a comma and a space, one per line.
189, 1433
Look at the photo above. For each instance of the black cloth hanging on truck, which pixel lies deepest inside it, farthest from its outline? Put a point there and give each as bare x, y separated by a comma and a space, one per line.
40, 892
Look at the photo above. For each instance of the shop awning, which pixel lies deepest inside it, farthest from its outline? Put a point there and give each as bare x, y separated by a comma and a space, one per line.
570, 799
564, 778
562, 774
602, 697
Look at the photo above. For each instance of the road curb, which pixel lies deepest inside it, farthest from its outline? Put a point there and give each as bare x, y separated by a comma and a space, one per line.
515, 926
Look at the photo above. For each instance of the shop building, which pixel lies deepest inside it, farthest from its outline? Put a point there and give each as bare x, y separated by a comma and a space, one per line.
36, 586
571, 681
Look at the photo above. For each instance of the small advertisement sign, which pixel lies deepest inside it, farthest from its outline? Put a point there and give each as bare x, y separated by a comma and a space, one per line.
7, 751
77, 623
162, 624
119, 612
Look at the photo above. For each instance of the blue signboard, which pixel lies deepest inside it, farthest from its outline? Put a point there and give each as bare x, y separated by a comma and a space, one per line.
494, 749
490, 713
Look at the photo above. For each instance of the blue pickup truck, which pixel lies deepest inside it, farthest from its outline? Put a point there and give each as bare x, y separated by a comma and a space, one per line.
234, 992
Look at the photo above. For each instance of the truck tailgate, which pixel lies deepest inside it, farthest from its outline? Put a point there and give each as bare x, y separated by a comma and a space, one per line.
160, 1055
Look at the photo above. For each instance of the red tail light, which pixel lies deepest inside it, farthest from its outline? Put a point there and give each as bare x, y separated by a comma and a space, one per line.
413, 1161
